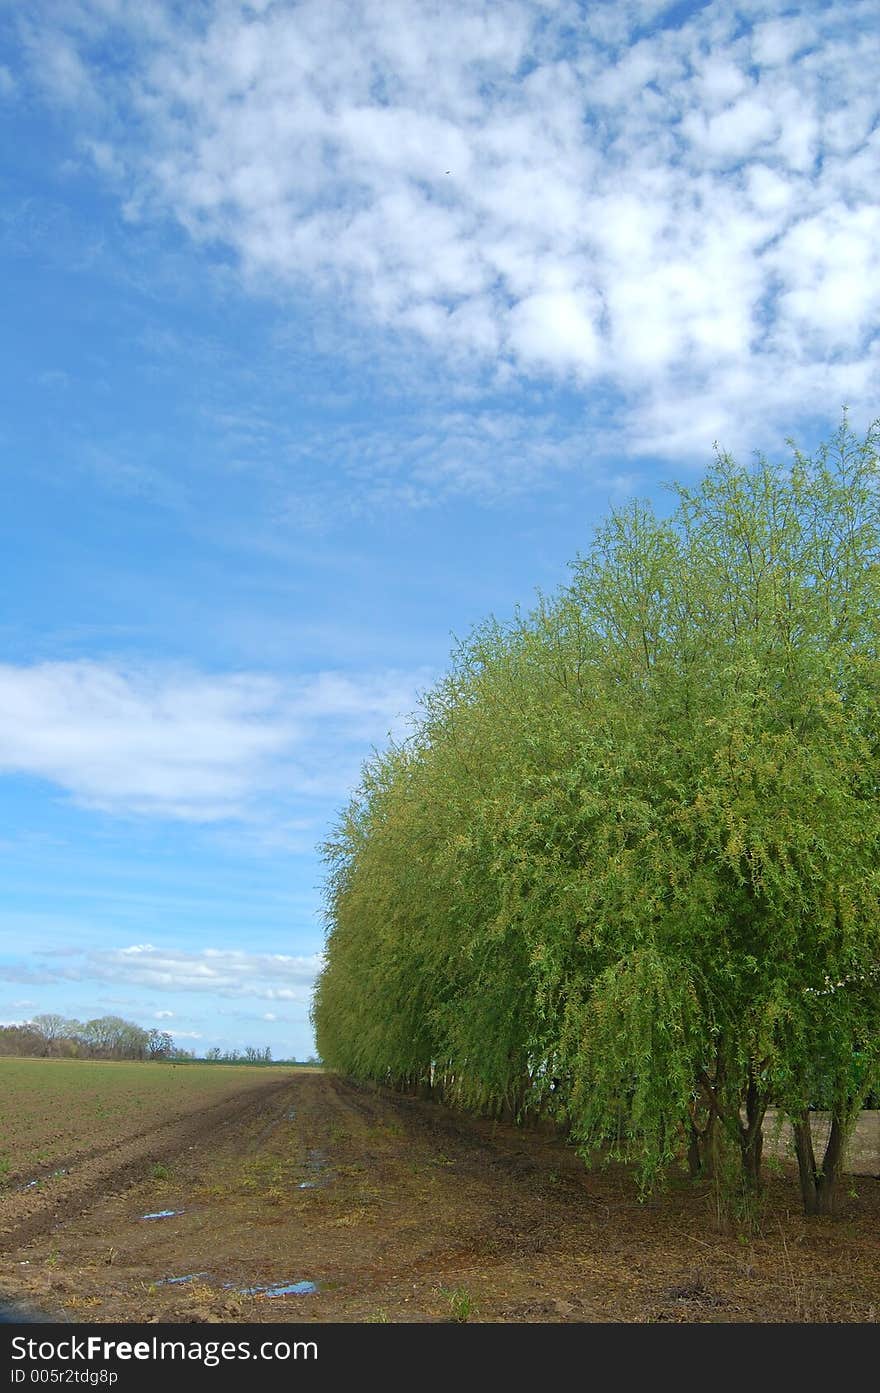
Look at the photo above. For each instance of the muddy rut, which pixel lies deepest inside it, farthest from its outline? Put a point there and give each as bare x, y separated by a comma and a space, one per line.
311, 1199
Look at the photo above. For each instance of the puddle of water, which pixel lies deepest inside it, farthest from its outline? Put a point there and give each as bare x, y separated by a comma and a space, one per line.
290, 1114
32, 1184
316, 1162
175, 1281
281, 1289
163, 1214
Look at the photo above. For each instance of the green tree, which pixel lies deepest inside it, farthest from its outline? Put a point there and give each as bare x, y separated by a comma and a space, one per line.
630, 846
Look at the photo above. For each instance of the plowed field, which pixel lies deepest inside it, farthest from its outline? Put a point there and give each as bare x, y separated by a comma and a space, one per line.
301, 1197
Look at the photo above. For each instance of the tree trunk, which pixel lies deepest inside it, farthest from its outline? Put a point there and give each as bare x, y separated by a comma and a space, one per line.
751, 1149
751, 1136
702, 1148
710, 1146
819, 1184
806, 1159
694, 1159
831, 1164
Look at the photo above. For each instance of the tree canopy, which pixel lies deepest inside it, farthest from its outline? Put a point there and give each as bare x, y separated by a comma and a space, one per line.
625, 869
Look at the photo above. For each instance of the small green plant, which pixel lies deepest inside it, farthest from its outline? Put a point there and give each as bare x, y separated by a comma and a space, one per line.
378, 1318
461, 1304
737, 1208
773, 1165
161, 1172
5, 1168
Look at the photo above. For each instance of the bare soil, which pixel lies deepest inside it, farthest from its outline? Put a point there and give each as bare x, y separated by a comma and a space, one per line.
398, 1210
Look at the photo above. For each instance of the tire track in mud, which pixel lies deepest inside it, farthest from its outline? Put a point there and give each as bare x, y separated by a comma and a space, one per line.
505, 1169
429, 1123
415, 1204
100, 1171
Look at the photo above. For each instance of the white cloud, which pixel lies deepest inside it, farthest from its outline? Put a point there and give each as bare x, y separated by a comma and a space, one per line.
470, 451
560, 197
63, 74
231, 973
829, 269
733, 134
177, 744
557, 328
777, 40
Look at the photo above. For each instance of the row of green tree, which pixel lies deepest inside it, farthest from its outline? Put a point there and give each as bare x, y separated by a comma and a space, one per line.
106, 1037
625, 870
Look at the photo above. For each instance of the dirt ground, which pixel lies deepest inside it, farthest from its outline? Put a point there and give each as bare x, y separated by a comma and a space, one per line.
391, 1209
59, 1112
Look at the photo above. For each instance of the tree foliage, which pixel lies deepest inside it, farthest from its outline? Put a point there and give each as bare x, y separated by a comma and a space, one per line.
625, 869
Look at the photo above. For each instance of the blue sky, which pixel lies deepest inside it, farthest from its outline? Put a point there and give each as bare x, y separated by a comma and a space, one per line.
328, 329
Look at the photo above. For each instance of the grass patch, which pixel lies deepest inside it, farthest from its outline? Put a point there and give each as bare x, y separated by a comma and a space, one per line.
461, 1303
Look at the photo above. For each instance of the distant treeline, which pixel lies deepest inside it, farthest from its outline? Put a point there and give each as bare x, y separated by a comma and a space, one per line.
106, 1037
111, 1037
250, 1055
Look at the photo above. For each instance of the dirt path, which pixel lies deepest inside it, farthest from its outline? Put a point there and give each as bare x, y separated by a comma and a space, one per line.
391, 1209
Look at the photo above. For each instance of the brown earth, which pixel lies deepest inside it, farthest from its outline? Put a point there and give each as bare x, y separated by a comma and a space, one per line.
398, 1210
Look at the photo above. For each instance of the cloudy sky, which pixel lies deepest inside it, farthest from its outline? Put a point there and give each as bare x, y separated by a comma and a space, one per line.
328, 329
